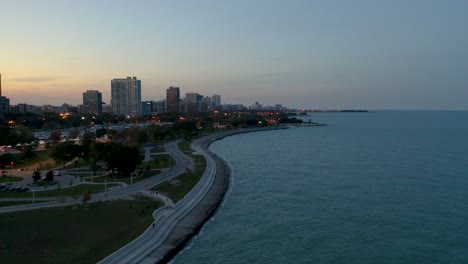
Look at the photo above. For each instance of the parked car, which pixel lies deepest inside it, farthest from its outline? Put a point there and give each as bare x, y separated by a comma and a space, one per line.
24, 189
57, 173
3, 187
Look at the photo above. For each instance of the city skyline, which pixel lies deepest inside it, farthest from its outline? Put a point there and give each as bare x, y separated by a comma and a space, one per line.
303, 54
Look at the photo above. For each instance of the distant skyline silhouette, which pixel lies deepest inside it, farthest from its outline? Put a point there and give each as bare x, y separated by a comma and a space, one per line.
305, 54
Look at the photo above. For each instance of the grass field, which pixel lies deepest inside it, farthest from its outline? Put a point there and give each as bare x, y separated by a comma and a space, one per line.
184, 146
159, 161
73, 234
176, 189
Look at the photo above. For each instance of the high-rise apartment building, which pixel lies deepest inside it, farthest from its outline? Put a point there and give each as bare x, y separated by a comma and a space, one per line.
173, 99
193, 102
92, 102
126, 96
216, 100
4, 102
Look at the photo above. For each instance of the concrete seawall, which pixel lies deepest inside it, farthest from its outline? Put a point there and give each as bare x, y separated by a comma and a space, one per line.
194, 222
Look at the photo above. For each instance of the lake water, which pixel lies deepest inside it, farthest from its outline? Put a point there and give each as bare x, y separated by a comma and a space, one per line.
383, 187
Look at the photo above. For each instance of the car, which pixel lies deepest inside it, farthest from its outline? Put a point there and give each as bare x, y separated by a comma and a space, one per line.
57, 173
3, 187
24, 189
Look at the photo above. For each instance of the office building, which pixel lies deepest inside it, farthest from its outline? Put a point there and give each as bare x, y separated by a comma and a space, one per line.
173, 100
92, 102
126, 97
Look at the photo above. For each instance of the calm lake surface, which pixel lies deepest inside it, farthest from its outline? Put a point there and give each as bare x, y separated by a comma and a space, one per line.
383, 187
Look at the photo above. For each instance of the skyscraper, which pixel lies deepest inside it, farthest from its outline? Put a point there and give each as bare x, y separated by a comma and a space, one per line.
126, 96
4, 102
92, 102
193, 102
215, 101
173, 100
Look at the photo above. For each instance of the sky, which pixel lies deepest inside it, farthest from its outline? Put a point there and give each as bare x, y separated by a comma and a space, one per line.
329, 54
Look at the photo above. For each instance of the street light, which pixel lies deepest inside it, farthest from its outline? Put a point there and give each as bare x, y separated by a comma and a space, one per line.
33, 195
105, 186
131, 178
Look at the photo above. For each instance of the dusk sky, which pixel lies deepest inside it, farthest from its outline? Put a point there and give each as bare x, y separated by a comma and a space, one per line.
304, 54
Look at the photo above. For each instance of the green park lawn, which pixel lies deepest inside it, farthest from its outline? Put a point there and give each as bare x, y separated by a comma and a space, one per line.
73, 234
158, 161
177, 188
184, 146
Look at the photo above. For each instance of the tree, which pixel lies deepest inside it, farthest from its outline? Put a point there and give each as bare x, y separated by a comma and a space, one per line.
185, 126
49, 176
28, 152
63, 152
24, 134
112, 134
117, 155
6, 159
7, 136
36, 175
88, 139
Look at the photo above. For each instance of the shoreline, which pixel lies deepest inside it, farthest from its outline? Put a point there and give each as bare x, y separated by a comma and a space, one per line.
195, 220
